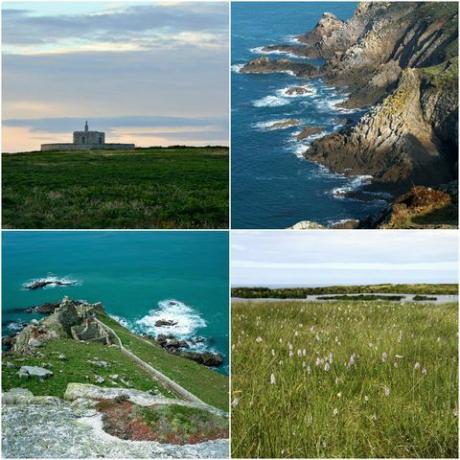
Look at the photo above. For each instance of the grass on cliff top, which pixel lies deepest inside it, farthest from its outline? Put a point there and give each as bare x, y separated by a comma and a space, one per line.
344, 379
300, 292
145, 188
444, 74
76, 368
210, 386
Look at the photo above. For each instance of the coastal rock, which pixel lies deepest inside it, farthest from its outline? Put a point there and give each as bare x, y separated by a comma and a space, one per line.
266, 65
294, 50
346, 224
207, 358
308, 131
45, 309
393, 142
283, 124
34, 371
165, 322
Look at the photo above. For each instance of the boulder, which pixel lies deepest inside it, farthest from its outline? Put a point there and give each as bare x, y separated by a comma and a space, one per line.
207, 358
34, 371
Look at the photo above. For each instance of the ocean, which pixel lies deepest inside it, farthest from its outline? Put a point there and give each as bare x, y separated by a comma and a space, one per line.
273, 186
134, 274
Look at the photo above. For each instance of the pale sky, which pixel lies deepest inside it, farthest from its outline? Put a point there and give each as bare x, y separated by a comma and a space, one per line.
318, 258
153, 73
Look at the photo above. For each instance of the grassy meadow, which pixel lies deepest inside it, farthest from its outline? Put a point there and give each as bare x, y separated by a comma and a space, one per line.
145, 188
344, 379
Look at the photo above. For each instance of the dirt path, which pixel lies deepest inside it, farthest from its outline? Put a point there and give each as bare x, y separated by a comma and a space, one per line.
159, 376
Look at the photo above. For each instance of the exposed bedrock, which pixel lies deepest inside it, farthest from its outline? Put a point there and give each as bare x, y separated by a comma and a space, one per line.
266, 65
400, 140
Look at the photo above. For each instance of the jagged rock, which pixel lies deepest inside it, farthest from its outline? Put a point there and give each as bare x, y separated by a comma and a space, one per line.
207, 358
266, 65
284, 124
99, 379
34, 371
34, 343
308, 131
46, 308
165, 322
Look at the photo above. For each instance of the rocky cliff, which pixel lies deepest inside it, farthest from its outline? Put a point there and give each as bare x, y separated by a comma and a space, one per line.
401, 58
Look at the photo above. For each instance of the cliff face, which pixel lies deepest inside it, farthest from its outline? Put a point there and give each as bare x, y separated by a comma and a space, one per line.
402, 57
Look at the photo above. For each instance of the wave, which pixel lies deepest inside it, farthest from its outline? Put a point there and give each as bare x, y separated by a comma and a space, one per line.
270, 101
355, 183
261, 50
236, 67
50, 281
184, 320
272, 125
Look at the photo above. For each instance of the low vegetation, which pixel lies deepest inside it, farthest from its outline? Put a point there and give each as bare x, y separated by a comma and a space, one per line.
362, 297
302, 292
76, 362
145, 188
209, 385
171, 423
344, 379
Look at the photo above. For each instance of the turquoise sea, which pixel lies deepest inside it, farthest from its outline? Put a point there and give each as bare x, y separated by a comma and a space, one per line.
134, 274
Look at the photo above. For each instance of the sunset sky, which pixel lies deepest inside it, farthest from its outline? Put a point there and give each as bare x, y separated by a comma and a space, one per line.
151, 73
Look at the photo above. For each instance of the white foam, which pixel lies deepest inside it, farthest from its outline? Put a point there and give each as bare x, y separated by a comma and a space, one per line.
271, 124
270, 101
53, 281
309, 91
261, 50
236, 67
187, 320
357, 182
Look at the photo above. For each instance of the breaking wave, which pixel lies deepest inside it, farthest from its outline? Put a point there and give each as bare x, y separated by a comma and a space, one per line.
270, 101
355, 183
184, 320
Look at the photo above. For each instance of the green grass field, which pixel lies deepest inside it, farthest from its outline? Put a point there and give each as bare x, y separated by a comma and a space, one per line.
344, 379
300, 292
145, 188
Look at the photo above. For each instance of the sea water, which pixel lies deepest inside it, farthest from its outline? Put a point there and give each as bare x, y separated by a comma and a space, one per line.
273, 186
139, 277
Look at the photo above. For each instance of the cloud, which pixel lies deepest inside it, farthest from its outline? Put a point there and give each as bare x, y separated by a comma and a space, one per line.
341, 257
141, 26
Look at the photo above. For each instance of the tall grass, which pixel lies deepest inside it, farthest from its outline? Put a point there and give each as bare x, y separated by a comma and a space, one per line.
344, 379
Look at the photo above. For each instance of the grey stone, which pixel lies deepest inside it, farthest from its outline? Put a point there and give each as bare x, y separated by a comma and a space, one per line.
34, 371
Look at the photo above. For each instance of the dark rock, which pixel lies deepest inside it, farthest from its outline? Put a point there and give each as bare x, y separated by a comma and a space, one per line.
308, 131
266, 65
45, 309
207, 358
165, 322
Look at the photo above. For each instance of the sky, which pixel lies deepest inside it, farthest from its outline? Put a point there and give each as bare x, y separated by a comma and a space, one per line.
152, 73
321, 258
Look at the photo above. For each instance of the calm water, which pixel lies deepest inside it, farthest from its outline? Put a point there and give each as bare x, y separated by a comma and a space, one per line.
132, 273
272, 186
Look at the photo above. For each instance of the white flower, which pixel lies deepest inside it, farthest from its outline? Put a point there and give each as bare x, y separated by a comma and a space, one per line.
384, 357
331, 357
352, 360
259, 339
291, 354
296, 334
304, 352
327, 367
386, 391
366, 398
399, 356
280, 363
373, 417
318, 361
395, 364
273, 352
290, 346
424, 371
299, 353
273, 379
339, 395
335, 411
417, 365
235, 402
308, 370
